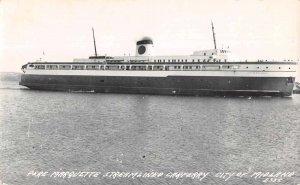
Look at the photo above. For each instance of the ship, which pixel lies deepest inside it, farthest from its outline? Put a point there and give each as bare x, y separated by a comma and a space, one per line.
203, 73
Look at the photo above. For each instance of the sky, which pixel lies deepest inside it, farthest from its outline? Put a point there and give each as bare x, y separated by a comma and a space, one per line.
60, 30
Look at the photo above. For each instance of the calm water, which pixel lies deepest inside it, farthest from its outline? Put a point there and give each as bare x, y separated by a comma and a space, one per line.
59, 131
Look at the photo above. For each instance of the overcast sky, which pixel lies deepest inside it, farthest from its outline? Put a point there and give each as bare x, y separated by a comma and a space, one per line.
253, 29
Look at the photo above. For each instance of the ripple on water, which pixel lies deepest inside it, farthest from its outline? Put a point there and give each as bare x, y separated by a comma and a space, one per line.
89, 131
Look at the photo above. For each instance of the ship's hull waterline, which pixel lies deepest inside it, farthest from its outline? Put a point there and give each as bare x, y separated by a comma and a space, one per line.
170, 85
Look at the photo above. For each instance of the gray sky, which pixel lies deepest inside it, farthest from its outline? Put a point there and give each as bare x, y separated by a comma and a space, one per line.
253, 29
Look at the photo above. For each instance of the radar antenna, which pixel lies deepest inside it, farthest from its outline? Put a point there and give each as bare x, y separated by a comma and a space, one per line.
214, 35
94, 42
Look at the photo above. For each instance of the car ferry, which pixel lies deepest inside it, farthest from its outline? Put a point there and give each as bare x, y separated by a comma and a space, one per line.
205, 72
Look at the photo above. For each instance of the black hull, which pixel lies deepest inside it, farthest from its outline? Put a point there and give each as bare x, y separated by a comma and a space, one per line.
176, 85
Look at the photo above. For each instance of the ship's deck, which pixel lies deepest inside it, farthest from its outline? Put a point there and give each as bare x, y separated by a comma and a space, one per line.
168, 63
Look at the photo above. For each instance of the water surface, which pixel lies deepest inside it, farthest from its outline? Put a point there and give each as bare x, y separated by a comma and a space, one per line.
60, 131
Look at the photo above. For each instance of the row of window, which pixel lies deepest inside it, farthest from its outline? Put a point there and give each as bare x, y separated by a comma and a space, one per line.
185, 60
141, 68
169, 60
223, 51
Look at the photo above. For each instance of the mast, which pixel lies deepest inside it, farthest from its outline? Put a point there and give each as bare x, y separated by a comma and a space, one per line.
94, 42
214, 35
